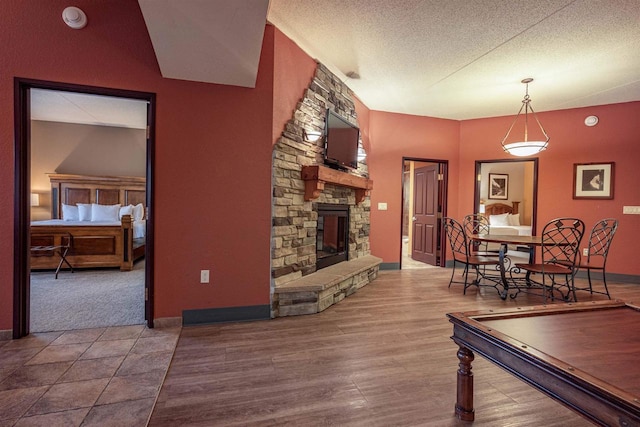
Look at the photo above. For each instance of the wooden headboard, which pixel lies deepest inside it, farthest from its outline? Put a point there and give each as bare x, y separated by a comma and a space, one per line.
501, 208
102, 190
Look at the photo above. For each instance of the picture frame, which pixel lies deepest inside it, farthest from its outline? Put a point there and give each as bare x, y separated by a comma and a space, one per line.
498, 186
593, 180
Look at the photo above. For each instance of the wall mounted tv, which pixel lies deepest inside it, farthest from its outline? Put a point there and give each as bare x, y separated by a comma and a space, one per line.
341, 142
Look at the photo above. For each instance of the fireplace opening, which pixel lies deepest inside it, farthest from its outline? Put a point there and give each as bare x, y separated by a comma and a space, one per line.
332, 238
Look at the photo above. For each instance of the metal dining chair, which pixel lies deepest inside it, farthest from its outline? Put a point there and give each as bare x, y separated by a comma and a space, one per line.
560, 250
599, 243
478, 224
459, 244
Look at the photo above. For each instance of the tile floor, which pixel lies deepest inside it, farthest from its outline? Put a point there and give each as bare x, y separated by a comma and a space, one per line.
105, 376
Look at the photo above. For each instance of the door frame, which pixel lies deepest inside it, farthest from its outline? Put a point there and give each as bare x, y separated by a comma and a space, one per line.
445, 185
534, 204
22, 181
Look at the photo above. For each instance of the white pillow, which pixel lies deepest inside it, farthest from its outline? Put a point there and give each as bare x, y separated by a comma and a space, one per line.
84, 211
126, 210
105, 212
70, 213
514, 219
499, 220
138, 212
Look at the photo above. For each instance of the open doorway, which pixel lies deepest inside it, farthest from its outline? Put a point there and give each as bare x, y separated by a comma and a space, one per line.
52, 151
508, 183
424, 184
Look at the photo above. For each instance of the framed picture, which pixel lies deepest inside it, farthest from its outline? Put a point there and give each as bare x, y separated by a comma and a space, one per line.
498, 186
593, 180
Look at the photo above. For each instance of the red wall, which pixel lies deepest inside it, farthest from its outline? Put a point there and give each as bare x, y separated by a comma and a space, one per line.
293, 72
392, 136
213, 150
613, 139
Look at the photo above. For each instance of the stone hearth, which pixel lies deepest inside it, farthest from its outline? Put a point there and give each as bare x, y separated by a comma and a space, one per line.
315, 292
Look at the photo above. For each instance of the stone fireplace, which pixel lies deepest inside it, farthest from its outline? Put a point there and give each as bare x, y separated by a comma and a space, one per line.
303, 191
332, 234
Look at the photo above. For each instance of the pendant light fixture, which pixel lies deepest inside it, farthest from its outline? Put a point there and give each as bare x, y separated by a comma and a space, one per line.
525, 147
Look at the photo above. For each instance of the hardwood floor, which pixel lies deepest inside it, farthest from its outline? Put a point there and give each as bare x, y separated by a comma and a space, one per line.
382, 357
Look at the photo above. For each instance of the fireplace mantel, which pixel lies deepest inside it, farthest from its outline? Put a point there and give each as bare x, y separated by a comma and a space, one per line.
316, 176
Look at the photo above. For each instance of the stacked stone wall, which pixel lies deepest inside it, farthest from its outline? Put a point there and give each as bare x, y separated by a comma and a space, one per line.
294, 220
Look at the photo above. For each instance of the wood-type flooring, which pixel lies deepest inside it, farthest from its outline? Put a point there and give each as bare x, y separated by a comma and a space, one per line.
381, 357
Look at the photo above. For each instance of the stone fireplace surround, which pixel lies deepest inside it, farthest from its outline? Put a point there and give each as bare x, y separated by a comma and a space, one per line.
300, 182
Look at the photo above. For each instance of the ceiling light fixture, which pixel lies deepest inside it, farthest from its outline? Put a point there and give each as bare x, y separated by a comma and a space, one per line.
526, 147
74, 17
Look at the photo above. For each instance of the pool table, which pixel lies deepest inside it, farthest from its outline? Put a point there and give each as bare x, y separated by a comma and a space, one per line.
585, 355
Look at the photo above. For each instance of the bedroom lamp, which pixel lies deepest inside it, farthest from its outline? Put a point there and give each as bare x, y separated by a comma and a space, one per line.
525, 147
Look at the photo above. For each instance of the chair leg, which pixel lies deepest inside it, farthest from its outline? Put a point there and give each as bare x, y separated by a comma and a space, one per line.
452, 273
573, 289
589, 277
604, 281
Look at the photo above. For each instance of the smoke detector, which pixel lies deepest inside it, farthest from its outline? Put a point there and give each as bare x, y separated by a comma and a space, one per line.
74, 17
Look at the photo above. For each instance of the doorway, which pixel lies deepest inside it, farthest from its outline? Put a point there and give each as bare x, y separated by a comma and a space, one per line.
23, 186
424, 201
521, 179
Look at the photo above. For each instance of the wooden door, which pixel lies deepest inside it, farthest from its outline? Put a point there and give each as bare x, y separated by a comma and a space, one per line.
425, 214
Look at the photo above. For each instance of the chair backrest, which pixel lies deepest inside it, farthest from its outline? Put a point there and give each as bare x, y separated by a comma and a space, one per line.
561, 241
600, 239
476, 224
457, 237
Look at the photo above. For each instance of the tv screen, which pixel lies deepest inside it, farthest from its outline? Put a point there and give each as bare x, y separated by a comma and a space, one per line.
341, 143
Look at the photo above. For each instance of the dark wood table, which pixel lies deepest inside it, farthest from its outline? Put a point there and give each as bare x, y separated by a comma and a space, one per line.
584, 355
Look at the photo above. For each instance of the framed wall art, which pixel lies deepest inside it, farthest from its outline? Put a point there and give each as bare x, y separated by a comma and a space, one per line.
498, 186
593, 180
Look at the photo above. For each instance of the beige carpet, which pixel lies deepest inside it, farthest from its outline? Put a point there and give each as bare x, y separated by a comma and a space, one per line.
89, 298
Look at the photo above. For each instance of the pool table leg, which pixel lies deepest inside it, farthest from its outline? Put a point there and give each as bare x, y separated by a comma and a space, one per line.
464, 402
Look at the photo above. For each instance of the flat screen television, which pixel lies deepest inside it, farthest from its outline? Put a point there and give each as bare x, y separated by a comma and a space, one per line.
341, 142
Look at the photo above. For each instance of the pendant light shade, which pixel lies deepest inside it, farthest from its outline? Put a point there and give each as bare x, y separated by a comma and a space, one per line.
524, 147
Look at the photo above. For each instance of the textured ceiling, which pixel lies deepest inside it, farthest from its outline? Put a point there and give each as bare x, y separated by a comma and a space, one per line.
456, 59
463, 59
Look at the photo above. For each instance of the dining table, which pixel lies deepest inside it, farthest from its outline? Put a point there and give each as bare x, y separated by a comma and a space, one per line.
505, 266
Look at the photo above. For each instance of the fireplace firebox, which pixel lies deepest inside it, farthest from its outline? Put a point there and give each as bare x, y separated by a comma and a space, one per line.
332, 239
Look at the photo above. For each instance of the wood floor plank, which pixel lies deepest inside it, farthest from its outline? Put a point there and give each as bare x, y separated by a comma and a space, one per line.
381, 357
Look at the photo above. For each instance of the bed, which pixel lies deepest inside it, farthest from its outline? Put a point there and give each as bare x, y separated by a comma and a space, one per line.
505, 219
103, 240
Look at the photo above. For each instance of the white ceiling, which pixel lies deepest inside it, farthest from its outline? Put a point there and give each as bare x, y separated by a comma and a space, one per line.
71, 107
456, 59
463, 59
216, 41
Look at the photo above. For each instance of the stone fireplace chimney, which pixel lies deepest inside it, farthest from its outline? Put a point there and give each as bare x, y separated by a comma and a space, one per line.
295, 206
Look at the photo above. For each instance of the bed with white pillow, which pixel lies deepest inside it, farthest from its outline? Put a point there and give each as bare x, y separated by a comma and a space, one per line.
505, 220
87, 211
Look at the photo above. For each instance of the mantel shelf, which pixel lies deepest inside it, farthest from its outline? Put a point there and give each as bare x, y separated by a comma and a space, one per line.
316, 176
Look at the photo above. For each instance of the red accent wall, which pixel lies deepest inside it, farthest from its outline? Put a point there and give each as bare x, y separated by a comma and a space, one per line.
213, 150
293, 72
393, 136
613, 139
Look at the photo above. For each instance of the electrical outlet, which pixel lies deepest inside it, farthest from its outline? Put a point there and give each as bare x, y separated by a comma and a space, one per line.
585, 251
204, 276
631, 210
